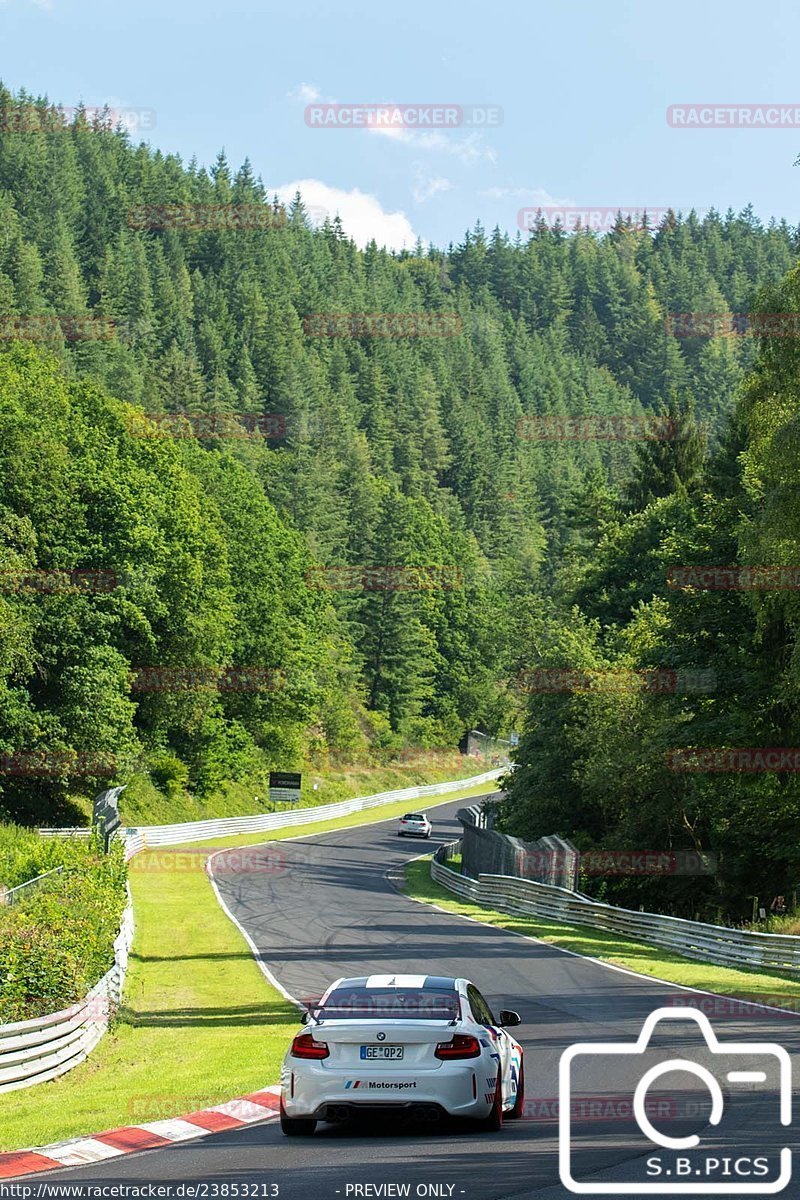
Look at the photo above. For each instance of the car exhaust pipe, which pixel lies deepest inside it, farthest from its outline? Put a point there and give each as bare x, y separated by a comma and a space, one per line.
425, 1112
339, 1112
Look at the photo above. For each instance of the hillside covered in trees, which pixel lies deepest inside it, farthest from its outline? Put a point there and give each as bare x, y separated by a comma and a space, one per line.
390, 452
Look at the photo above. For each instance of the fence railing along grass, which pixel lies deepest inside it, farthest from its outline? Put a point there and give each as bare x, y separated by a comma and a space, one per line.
692, 939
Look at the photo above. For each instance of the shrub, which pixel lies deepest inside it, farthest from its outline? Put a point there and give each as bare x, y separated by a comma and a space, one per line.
57, 941
24, 854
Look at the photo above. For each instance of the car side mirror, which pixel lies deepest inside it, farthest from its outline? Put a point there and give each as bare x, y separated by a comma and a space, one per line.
305, 1018
509, 1017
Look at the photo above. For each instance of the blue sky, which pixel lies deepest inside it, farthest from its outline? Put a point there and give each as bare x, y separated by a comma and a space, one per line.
583, 87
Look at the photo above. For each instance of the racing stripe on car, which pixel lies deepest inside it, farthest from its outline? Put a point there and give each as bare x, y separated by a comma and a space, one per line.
399, 981
444, 983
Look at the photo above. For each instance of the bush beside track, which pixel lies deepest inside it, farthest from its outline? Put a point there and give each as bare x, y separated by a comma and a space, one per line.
23, 854
57, 941
199, 1023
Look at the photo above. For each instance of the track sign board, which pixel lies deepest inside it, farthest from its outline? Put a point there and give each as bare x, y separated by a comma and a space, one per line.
105, 813
285, 786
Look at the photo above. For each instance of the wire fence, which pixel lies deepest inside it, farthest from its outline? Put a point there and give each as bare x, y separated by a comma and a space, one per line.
10, 896
552, 860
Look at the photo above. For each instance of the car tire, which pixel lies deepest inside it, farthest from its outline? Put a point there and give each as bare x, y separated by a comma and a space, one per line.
494, 1122
297, 1126
519, 1103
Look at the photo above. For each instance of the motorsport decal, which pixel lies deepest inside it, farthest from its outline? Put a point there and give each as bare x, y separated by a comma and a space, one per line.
380, 1084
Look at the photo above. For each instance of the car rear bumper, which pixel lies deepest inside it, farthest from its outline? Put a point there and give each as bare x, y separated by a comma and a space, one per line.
463, 1091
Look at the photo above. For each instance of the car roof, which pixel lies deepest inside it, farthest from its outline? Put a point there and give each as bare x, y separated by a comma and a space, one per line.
441, 983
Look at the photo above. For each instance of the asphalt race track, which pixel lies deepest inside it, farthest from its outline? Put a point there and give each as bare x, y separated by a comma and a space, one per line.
331, 911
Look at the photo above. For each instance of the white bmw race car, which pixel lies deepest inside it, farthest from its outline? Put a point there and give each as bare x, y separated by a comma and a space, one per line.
414, 1046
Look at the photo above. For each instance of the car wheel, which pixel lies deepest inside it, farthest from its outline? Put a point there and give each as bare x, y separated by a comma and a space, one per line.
494, 1121
297, 1126
519, 1103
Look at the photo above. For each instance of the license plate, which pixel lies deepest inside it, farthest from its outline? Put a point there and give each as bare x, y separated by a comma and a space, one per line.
382, 1052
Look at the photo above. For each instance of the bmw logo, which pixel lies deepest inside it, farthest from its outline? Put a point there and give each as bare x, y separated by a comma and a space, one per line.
381, 1037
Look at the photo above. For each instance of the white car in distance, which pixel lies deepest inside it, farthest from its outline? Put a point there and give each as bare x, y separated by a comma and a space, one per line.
418, 1047
414, 825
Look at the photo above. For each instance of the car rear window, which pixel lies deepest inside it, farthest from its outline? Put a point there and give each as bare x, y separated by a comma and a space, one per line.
413, 1004
414, 817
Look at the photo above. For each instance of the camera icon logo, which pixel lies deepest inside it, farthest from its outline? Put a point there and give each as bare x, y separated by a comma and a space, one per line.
739, 1068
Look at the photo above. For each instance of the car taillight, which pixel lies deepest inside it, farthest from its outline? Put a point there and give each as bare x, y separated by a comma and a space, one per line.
306, 1046
460, 1046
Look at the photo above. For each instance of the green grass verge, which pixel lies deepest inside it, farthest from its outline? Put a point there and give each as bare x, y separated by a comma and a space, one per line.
636, 956
200, 1024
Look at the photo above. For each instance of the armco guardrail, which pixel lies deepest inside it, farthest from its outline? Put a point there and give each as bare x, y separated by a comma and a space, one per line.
693, 939
142, 836
36, 1051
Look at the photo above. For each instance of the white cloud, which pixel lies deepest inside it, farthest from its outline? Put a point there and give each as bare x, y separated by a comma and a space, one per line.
305, 93
362, 215
428, 186
537, 197
468, 150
